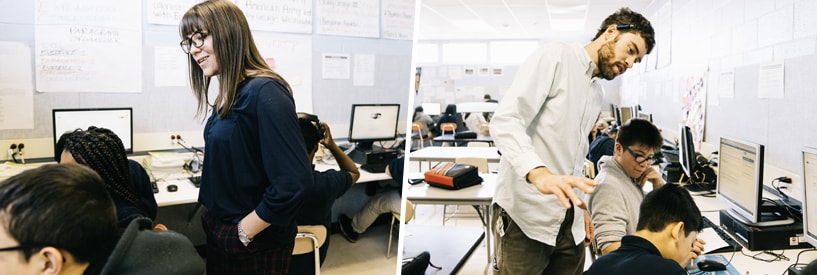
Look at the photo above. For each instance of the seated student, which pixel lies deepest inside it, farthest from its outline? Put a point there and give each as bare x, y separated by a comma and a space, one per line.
102, 150
474, 121
55, 219
327, 186
450, 115
421, 116
668, 225
614, 204
603, 145
381, 203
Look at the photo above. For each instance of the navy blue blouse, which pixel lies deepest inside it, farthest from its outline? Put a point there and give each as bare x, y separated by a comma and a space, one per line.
255, 159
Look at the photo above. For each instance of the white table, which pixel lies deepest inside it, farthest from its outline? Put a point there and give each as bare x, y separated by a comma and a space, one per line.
481, 195
438, 154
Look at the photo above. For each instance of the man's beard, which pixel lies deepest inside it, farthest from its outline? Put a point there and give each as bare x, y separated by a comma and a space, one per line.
607, 61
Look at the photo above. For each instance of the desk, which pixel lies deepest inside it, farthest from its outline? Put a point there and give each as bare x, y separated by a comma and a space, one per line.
481, 194
710, 206
453, 138
432, 154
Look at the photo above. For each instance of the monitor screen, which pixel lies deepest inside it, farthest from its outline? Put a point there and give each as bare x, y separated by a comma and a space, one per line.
810, 195
645, 116
686, 152
740, 178
431, 108
118, 120
626, 114
373, 122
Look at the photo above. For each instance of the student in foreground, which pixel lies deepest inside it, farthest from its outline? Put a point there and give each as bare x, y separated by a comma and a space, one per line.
668, 225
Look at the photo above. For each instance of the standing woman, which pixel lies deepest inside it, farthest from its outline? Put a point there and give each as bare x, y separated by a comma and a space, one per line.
256, 167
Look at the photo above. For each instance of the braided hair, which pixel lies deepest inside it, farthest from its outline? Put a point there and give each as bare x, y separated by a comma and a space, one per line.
103, 151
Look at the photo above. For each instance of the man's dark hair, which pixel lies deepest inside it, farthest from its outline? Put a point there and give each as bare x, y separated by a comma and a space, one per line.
61, 205
630, 21
487, 96
640, 131
310, 133
669, 204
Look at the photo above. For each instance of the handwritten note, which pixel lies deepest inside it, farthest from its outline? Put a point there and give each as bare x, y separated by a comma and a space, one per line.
88, 46
167, 12
398, 19
280, 15
169, 67
349, 17
16, 87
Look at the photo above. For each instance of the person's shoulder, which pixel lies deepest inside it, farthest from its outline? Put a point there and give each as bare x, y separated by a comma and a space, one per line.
141, 250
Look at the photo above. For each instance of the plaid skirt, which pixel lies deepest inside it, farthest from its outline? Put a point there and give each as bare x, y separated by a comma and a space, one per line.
227, 255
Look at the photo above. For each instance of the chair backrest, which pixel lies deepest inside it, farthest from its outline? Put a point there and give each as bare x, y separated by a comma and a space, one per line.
417, 126
303, 243
478, 144
448, 126
589, 169
480, 163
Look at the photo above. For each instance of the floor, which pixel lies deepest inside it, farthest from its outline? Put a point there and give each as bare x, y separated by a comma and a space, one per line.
366, 256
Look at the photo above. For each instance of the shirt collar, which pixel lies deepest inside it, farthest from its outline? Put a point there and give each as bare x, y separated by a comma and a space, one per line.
590, 65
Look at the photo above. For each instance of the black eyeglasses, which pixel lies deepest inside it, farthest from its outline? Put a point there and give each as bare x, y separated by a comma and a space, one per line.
197, 39
639, 158
20, 247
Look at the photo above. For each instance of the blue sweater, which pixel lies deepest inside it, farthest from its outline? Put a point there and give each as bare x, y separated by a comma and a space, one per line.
255, 159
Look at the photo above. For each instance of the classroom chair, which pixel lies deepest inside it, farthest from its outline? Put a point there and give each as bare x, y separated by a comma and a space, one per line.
310, 238
396, 217
449, 127
419, 128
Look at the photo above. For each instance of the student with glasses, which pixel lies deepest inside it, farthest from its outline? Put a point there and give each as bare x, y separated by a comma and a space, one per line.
614, 206
257, 168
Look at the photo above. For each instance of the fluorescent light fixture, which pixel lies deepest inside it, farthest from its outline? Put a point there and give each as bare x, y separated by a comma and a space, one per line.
567, 25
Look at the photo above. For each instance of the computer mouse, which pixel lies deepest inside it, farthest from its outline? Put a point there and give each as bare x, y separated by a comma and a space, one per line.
172, 188
711, 265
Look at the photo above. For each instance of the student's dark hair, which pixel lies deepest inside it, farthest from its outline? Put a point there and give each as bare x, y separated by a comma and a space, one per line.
632, 22
310, 133
669, 204
60, 146
486, 96
64, 206
102, 150
451, 109
236, 54
640, 131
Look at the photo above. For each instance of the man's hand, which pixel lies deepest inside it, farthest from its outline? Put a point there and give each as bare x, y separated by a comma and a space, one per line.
327, 137
652, 176
561, 186
697, 250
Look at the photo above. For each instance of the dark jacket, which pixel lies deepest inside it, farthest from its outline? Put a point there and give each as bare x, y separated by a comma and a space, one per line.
140, 250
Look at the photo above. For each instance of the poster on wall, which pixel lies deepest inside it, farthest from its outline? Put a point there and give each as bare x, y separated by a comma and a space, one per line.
398, 19
16, 90
693, 107
293, 16
88, 46
167, 12
359, 18
290, 56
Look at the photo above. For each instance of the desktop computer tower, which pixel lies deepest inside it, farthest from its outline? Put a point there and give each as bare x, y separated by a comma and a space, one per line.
373, 156
764, 238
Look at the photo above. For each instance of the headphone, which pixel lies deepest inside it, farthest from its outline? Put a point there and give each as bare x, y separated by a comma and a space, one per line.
314, 120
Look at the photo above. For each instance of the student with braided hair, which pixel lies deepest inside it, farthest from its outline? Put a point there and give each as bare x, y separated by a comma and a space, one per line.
103, 151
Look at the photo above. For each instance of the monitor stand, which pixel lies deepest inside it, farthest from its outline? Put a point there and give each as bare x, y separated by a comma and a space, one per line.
766, 219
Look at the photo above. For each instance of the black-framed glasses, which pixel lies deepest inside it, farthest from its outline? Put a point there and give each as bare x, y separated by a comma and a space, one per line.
197, 40
20, 247
639, 158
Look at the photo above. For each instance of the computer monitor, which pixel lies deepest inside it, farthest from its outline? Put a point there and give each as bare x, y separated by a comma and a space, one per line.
645, 116
626, 114
373, 122
740, 182
810, 195
686, 152
118, 120
431, 108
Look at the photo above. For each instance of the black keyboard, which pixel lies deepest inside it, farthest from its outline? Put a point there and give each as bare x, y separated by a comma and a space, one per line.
196, 180
700, 187
733, 245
